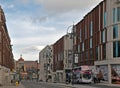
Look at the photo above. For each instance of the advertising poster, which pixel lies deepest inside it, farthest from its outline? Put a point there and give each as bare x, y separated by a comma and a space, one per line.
115, 73
104, 70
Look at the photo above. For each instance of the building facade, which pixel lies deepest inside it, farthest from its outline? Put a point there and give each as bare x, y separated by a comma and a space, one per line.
6, 55
63, 58
98, 39
58, 59
46, 64
27, 70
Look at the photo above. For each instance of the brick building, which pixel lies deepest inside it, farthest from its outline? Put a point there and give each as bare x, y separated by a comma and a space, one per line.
58, 59
6, 55
98, 39
27, 69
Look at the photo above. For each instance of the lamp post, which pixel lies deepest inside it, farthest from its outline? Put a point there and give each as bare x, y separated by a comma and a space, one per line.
72, 34
37, 70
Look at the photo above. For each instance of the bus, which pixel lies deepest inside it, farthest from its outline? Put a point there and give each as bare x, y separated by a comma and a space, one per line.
82, 74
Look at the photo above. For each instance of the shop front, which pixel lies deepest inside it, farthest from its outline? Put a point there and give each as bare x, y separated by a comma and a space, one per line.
110, 70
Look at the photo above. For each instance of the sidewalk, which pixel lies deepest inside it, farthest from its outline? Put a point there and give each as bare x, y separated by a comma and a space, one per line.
19, 86
86, 86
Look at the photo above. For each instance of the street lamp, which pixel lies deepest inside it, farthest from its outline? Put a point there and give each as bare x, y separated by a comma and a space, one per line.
72, 35
37, 70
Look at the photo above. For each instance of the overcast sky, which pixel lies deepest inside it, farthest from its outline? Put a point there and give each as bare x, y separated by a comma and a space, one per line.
33, 24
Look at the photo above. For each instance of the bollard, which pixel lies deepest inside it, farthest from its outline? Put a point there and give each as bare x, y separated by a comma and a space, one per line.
16, 83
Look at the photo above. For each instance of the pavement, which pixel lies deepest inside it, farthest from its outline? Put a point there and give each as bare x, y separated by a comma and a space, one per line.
95, 85
70, 85
13, 86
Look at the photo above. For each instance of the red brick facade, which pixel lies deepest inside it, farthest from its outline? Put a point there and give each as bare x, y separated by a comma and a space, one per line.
85, 36
6, 55
58, 55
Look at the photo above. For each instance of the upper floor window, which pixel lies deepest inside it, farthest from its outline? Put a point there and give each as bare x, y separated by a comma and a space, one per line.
83, 46
116, 49
80, 35
91, 43
105, 18
91, 28
96, 53
78, 48
103, 36
116, 14
91, 55
104, 51
86, 56
85, 32
115, 31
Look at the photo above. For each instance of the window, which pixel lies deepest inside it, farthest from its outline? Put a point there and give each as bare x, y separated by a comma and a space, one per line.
80, 35
103, 36
83, 46
114, 15
81, 57
104, 51
115, 31
91, 55
85, 32
0, 37
78, 48
96, 53
105, 18
116, 49
118, 14
91, 43
91, 28
86, 56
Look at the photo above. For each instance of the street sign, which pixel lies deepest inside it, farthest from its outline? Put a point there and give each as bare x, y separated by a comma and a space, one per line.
76, 58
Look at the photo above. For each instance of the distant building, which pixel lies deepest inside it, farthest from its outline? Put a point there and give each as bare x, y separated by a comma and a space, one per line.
6, 55
46, 64
27, 70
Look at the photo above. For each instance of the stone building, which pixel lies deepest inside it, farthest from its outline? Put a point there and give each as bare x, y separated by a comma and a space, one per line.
46, 64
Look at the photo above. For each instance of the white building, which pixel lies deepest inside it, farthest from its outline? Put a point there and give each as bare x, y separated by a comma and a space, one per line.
46, 60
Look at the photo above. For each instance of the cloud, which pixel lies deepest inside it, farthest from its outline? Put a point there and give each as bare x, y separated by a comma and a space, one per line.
10, 6
37, 23
31, 49
67, 5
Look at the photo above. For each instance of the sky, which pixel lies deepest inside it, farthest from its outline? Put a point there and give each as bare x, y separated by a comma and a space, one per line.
33, 24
